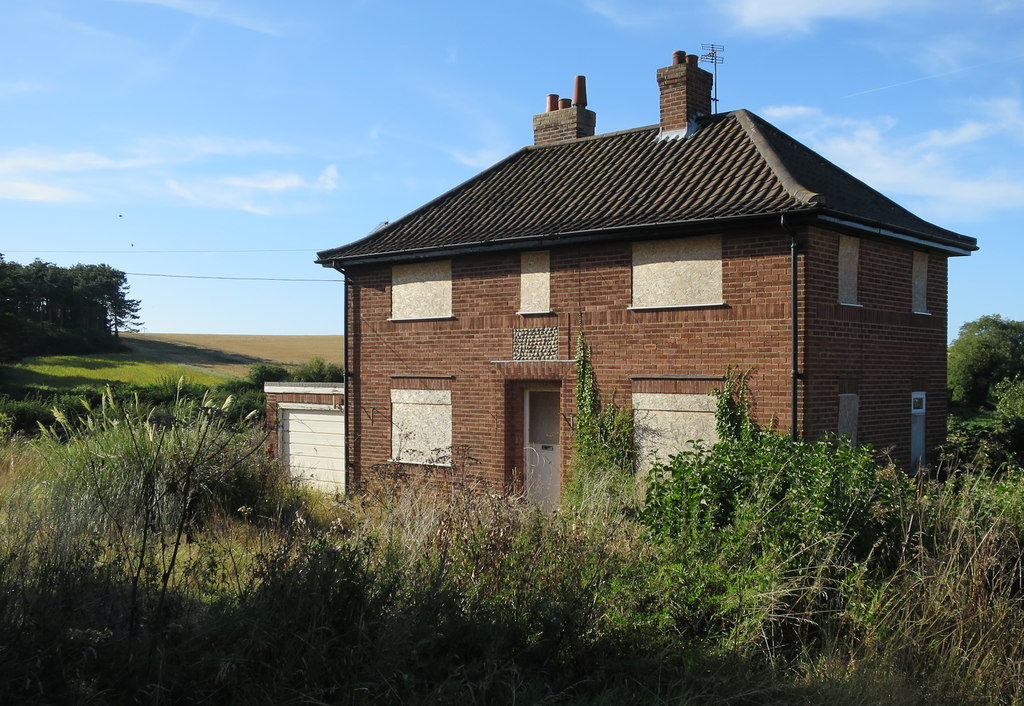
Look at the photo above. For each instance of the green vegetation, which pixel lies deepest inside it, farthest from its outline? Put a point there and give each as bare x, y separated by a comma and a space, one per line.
50, 309
63, 371
160, 556
42, 390
987, 351
604, 450
986, 386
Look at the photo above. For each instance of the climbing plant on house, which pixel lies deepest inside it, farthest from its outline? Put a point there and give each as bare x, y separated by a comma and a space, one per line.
604, 433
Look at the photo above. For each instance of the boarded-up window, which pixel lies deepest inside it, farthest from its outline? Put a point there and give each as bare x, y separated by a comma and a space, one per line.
421, 426
849, 409
535, 283
666, 423
849, 256
920, 303
422, 290
680, 272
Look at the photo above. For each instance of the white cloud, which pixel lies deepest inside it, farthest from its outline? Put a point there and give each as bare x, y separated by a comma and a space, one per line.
265, 182
217, 12
271, 181
767, 17
31, 191
479, 158
216, 196
187, 149
629, 13
94, 174
328, 179
19, 87
36, 161
934, 173
253, 194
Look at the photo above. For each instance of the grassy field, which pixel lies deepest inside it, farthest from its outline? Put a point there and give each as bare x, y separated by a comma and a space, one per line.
150, 358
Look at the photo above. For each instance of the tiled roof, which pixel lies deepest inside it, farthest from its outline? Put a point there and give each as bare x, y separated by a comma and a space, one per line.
734, 165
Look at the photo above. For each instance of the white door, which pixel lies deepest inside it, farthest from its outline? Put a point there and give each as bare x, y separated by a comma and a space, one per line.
917, 417
542, 453
313, 445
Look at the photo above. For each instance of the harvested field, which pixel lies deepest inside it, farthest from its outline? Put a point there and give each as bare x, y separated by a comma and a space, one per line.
234, 355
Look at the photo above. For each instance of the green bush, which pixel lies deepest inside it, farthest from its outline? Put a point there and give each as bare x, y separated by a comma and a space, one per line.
987, 351
318, 370
267, 372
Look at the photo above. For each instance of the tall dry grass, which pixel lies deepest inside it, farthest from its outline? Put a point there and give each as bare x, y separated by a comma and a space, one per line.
123, 581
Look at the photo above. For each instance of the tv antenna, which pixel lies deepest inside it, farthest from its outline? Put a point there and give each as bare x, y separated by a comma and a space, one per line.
713, 55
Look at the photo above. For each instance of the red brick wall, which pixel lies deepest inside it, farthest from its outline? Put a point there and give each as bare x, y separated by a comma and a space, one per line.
882, 345
880, 350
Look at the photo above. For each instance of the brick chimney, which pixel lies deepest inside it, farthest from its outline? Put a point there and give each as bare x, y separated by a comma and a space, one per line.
685, 91
565, 119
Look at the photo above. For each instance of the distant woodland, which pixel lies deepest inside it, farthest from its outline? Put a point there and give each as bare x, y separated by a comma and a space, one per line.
46, 309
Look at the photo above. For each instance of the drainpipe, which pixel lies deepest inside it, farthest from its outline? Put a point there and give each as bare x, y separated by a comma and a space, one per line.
344, 384
795, 369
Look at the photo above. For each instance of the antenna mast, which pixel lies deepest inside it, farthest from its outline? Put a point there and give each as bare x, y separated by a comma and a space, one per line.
713, 55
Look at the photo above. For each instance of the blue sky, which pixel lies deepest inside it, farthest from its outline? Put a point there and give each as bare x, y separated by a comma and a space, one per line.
235, 138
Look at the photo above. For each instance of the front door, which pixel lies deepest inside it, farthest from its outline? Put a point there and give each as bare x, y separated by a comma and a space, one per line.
917, 430
542, 451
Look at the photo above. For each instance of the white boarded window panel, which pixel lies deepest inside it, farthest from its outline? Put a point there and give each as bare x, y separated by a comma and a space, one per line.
849, 257
849, 409
535, 282
421, 425
680, 272
667, 423
920, 282
422, 290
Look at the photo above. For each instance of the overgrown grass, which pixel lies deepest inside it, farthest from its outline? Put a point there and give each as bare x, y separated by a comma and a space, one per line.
164, 558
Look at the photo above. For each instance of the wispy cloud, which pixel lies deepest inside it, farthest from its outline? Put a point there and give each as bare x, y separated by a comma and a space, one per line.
19, 87
326, 181
31, 191
932, 172
52, 175
633, 14
800, 15
253, 193
216, 12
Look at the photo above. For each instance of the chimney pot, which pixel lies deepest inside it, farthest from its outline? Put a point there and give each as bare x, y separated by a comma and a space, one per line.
579, 94
552, 103
685, 91
564, 103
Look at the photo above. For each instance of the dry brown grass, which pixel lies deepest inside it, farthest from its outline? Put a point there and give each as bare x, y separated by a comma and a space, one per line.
234, 355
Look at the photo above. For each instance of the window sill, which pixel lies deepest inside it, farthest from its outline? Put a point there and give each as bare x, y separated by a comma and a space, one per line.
424, 318
535, 313
677, 307
923, 313
853, 304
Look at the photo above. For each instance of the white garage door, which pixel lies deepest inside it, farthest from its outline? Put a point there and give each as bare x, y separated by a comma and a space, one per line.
313, 443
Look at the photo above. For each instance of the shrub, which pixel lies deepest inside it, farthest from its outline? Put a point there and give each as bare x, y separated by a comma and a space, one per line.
318, 370
267, 372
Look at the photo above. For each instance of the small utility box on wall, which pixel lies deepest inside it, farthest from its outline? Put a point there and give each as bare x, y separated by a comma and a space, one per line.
309, 421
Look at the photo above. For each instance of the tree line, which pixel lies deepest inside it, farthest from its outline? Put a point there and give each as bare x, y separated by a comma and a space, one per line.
49, 309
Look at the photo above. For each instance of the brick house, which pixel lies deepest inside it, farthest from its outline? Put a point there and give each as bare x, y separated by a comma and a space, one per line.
684, 248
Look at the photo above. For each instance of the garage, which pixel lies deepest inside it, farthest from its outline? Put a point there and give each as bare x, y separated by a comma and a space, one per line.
310, 422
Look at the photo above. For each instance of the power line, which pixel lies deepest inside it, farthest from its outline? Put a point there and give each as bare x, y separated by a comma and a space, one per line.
155, 252
247, 279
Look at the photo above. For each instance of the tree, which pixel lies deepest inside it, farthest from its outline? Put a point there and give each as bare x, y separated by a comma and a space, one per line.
987, 351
